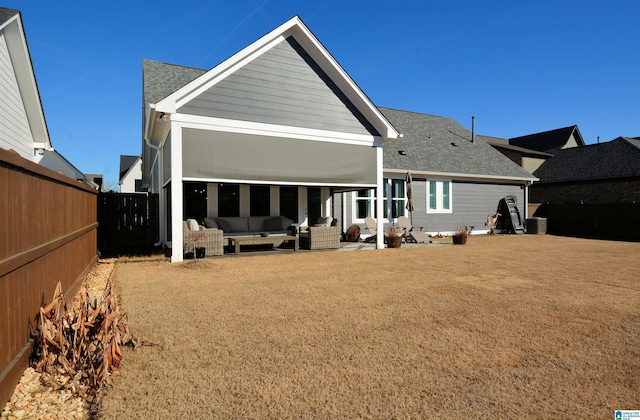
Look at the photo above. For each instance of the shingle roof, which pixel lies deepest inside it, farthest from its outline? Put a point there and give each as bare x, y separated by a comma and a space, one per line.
161, 79
548, 141
126, 161
619, 158
442, 145
504, 144
6, 14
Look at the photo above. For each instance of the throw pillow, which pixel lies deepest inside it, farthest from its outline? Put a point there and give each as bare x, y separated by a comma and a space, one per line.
224, 225
193, 225
285, 222
272, 225
210, 223
325, 221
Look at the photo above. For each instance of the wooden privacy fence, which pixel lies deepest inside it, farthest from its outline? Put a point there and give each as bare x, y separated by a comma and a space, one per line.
128, 223
599, 221
48, 234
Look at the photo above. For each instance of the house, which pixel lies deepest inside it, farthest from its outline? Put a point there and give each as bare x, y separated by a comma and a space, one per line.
130, 174
457, 178
547, 142
528, 159
597, 173
279, 128
23, 127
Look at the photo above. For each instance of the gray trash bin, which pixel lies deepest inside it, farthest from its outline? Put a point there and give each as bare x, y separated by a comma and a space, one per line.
537, 225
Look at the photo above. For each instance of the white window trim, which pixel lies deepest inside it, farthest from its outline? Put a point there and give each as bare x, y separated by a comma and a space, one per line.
439, 204
354, 201
372, 199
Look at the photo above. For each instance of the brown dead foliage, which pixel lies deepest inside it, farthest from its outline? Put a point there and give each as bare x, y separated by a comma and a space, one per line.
78, 348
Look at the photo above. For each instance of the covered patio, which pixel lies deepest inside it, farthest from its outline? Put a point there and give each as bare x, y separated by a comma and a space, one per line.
277, 129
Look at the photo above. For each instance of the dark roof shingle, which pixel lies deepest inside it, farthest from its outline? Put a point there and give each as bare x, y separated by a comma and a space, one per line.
6, 14
619, 158
161, 79
441, 145
550, 141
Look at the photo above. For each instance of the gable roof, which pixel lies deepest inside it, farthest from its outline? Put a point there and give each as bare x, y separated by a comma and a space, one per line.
20, 60
501, 143
619, 158
160, 80
550, 141
126, 163
6, 14
439, 145
293, 30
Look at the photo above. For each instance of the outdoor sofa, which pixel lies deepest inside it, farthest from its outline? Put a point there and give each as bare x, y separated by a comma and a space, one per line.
256, 226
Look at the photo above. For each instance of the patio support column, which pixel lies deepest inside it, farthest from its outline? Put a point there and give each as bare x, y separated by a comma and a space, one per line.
379, 199
177, 193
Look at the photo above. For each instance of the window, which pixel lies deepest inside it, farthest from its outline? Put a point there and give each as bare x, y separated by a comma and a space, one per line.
195, 200
228, 200
365, 204
260, 199
395, 199
398, 197
438, 196
289, 202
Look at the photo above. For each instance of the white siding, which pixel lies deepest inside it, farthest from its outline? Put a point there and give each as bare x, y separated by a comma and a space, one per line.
128, 184
14, 126
283, 86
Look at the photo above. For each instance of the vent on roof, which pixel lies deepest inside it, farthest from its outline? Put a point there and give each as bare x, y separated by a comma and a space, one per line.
402, 152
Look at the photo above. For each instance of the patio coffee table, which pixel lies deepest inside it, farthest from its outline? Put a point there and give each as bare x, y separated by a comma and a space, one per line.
236, 241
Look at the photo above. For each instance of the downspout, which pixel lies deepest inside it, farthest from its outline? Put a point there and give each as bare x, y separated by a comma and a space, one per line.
149, 142
162, 232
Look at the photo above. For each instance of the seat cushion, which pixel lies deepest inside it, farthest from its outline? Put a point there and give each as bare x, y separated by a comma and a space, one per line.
272, 224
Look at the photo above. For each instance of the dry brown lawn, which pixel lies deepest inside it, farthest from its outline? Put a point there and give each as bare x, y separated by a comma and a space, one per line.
530, 326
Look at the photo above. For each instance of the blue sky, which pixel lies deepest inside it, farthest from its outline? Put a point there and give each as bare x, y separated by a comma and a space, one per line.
519, 67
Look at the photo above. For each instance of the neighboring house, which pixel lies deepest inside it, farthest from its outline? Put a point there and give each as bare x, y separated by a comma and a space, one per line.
456, 181
130, 174
97, 179
550, 142
277, 129
23, 127
597, 173
528, 159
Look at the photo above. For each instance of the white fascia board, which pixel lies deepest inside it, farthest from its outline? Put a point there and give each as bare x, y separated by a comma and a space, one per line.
23, 68
453, 175
196, 87
272, 130
342, 79
296, 28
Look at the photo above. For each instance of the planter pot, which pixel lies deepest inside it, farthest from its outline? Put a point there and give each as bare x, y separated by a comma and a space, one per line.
189, 256
394, 242
459, 240
200, 252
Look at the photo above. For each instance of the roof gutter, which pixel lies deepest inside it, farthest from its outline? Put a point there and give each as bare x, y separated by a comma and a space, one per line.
459, 175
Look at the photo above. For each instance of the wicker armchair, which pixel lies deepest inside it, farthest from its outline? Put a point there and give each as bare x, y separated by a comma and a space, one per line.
320, 237
210, 239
